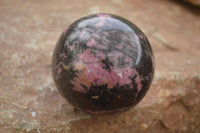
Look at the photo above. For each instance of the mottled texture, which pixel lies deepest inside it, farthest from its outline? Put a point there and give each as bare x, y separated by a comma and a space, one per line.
30, 102
103, 63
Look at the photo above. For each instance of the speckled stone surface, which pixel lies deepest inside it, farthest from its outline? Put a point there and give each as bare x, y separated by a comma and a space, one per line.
30, 102
103, 63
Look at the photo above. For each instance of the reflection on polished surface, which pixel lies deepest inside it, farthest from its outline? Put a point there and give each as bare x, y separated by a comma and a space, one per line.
103, 63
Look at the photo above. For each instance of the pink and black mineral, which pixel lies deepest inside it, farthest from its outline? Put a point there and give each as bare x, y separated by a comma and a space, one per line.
103, 63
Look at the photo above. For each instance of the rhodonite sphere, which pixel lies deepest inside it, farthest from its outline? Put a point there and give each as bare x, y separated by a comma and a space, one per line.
103, 63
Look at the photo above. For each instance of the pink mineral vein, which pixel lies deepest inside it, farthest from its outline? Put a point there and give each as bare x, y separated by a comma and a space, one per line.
94, 73
104, 15
91, 42
102, 19
87, 56
59, 68
95, 35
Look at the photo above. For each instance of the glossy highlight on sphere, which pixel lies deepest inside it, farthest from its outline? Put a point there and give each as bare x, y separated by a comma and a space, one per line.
103, 63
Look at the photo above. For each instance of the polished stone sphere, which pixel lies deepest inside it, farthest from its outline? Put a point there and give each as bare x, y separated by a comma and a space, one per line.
103, 63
